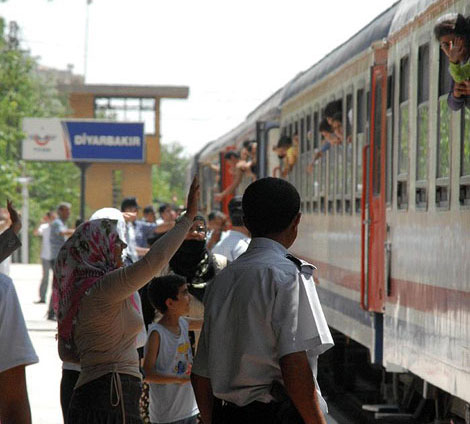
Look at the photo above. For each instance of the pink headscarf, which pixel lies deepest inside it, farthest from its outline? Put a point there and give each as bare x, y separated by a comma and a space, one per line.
85, 257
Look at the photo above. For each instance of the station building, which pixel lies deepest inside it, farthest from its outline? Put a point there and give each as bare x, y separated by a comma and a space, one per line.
108, 183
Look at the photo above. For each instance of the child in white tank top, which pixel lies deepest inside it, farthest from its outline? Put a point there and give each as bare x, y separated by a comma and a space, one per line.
168, 356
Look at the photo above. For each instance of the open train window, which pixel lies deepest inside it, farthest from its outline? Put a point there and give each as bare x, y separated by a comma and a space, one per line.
390, 123
443, 136
403, 156
360, 140
464, 196
422, 143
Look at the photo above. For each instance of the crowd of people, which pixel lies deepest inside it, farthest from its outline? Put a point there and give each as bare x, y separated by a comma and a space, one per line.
131, 296
134, 298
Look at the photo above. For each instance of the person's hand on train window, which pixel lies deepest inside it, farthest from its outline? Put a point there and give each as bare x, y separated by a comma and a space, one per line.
14, 217
461, 89
454, 50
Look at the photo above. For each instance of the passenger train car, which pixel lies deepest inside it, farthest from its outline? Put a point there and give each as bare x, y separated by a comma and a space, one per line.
386, 213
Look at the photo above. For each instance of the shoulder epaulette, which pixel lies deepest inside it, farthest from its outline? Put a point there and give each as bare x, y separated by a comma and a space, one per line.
303, 266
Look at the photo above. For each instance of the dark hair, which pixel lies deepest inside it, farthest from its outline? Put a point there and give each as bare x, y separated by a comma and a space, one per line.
129, 202
148, 209
247, 145
284, 141
215, 214
338, 116
162, 288
325, 126
162, 208
78, 222
453, 24
332, 107
269, 206
235, 211
232, 154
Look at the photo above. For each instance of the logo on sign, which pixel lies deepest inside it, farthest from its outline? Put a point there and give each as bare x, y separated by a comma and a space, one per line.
42, 141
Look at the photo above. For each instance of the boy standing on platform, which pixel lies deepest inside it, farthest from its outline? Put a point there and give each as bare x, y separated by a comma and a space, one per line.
168, 357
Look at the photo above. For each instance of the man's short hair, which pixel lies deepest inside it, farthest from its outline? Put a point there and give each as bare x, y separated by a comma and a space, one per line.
163, 208
235, 211
129, 202
325, 126
64, 205
148, 209
333, 107
162, 288
269, 206
284, 141
231, 154
338, 116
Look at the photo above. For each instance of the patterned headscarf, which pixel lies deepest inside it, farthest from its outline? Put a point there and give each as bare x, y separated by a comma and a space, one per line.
84, 258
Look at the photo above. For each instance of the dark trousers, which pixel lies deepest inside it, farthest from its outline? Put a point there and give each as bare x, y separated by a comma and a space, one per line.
69, 379
256, 413
46, 268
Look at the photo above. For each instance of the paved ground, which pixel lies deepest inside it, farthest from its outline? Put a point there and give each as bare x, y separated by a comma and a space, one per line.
43, 378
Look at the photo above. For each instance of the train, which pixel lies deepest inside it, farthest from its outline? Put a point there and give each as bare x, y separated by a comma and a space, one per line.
386, 214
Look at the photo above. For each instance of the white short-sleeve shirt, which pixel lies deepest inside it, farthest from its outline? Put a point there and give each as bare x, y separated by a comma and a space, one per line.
44, 231
259, 309
232, 245
15, 345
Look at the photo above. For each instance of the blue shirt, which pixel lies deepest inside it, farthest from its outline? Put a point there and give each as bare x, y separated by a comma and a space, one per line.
56, 238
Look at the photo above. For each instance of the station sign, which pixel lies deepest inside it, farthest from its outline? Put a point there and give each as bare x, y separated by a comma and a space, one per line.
74, 140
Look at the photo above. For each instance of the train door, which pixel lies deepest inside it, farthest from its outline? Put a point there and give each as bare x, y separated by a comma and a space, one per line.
226, 178
373, 211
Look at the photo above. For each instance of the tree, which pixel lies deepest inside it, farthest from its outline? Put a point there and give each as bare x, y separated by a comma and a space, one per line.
25, 92
169, 178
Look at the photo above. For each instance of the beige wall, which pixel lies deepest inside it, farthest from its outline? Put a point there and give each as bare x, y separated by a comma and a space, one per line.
136, 178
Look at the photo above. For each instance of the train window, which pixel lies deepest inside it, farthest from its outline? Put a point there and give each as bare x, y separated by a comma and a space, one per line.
360, 127
389, 160
422, 127
402, 178
322, 184
348, 147
331, 179
443, 136
339, 176
308, 132
465, 159
302, 136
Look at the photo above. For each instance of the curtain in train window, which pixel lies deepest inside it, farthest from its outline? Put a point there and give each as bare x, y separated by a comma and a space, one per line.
443, 135
390, 123
348, 145
422, 141
360, 127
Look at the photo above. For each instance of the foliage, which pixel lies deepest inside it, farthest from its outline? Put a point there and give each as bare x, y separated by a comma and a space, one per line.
26, 92
169, 178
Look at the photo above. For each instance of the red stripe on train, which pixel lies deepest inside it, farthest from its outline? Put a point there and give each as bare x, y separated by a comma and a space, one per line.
410, 294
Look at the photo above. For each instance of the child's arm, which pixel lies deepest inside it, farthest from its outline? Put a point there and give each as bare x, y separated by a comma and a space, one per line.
194, 324
150, 360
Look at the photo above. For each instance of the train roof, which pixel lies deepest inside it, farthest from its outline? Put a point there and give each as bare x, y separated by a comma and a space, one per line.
408, 11
267, 110
376, 30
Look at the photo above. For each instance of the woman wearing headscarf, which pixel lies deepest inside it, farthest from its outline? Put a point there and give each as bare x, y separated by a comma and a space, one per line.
99, 319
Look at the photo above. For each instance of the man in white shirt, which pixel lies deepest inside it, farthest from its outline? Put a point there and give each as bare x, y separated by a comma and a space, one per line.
263, 324
238, 238
16, 350
44, 231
